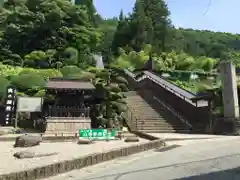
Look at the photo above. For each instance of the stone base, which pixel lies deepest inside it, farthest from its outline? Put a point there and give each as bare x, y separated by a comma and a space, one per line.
66, 125
227, 126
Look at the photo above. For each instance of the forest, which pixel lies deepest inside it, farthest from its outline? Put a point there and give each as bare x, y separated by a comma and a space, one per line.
40, 39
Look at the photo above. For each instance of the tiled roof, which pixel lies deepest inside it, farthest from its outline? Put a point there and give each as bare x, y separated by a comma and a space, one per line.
68, 84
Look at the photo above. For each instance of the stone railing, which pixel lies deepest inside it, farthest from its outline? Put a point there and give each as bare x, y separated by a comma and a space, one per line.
176, 100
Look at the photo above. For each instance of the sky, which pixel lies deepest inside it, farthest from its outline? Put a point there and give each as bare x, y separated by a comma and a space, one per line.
220, 15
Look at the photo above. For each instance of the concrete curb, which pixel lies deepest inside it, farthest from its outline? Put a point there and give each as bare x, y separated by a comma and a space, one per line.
186, 139
152, 138
81, 162
46, 138
145, 135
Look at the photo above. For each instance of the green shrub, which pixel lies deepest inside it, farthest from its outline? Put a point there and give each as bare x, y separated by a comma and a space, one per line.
40, 93
123, 87
84, 76
49, 73
28, 81
27, 71
3, 86
70, 70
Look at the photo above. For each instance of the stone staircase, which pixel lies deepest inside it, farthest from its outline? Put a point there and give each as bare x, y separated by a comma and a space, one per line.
147, 119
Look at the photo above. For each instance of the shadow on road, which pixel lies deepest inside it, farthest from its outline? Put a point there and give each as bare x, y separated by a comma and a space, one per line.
230, 174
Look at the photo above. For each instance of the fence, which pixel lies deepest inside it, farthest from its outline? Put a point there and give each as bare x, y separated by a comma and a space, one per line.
68, 112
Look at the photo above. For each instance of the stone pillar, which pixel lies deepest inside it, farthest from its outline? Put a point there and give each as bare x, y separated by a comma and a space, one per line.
229, 90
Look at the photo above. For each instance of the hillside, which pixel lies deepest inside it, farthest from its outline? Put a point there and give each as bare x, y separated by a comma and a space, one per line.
195, 42
53, 34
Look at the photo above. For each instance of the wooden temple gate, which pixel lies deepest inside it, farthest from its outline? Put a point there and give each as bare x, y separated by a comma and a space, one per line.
70, 110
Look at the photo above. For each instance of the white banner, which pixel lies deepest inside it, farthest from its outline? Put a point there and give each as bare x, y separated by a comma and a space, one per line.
29, 104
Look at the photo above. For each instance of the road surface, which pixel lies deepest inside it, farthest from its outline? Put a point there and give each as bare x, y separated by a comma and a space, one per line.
216, 159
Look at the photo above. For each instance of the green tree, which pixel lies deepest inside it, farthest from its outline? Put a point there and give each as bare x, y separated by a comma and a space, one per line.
140, 26
94, 17
122, 35
46, 24
158, 13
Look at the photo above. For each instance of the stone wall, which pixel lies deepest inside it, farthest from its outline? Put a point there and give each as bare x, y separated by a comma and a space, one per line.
193, 114
58, 125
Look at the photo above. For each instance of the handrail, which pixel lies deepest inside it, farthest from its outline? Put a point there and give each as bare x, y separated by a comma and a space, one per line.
175, 113
130, 125
179, 92
187, 96
189, 93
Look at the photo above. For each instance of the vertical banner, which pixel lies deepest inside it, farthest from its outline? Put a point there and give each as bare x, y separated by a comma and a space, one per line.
10, 105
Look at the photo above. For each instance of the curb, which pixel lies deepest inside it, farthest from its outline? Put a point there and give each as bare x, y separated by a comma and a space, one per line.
186, 139
78, 163
152, 138
48, 138
145, 135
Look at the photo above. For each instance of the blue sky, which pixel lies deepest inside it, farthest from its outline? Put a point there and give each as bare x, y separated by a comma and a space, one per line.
222, 15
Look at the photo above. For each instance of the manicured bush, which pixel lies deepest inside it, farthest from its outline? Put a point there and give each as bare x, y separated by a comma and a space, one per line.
28, 81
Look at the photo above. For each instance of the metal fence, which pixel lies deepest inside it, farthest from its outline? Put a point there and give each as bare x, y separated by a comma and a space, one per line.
68, 112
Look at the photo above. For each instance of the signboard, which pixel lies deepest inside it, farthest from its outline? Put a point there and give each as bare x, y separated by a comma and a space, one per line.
97, 134
10, 110
29, 104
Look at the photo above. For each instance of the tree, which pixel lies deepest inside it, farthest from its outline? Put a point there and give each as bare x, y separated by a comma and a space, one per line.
41, 25
110, 85
123, 35
140, 26
94, 17
148, 24
107, 29
158, 12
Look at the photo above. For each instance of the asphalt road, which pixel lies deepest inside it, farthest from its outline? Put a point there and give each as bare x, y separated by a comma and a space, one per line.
201, 160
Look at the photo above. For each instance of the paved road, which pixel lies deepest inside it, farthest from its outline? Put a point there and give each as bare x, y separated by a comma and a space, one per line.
216, 159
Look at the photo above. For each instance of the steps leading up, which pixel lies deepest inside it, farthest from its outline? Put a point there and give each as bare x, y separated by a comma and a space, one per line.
151, 120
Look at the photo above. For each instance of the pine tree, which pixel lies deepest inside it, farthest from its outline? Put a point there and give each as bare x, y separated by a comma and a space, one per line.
94, 17
141, 27
158, 12
122, 35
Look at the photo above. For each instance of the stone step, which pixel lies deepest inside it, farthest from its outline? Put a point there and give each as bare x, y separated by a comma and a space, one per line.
156, 120
150, 120
160, 122
160, 127
157, 125
147, 113
139, 107
165, 131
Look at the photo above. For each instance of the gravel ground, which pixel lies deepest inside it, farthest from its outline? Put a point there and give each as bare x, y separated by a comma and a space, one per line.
65, 150
210, 159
